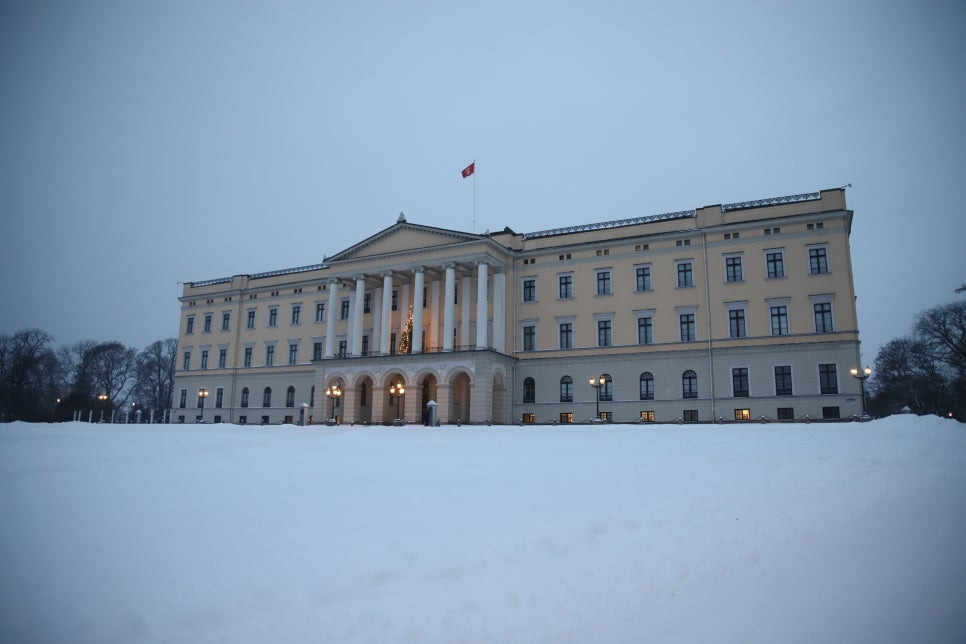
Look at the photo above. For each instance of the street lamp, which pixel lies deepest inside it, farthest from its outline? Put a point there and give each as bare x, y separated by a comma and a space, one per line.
333, 392
397, 390
103, 398
202, 394
597, 383
861, 377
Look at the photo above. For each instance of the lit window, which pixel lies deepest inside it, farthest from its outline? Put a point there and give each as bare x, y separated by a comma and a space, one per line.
742, 414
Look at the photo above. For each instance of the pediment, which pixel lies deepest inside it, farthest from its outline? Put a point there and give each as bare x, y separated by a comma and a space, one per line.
403, 237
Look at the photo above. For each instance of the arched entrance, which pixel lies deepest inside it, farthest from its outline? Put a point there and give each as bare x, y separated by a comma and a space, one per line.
429, 391
460, 398
395, 403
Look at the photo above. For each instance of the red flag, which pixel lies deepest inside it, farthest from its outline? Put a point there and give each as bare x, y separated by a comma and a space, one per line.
470, 169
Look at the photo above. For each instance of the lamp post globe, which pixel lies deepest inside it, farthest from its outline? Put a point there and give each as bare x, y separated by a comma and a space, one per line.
861, 376
597, 383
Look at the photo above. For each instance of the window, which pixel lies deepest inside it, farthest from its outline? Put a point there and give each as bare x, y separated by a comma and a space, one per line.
690, 415
425, 296
775, 264
222, 358
296, 314
566, 290
316, 350
742, 414
251, 319
647, 386
392, 344
647, 416
273, 316
270, 355
290, 397
529, 418
830, 413
688, 332
817, 261
566, 335
786, 413
779, 320
208, 323
225, 321
267, 397
736, 323
529, 390
343, 348
204, 358
189, 325
184, 399
685, 275
733, 271
395, 301
219, 396
312, 396
530, 289
607, 389
689, 384
739, 382
367, 302
828, 379
248, 356
783, 380
603, 283
529, 337
645, 330
823, 317
365, 345
604, 338
643, 278
186, 363
566, 417
320, 311
566, 389
293, 354
344, 313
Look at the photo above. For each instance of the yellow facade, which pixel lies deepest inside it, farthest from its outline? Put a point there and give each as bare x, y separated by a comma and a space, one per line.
736, 311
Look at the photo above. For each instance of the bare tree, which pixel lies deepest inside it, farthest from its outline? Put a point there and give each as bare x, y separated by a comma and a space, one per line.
155, 374
28, 377
113, 370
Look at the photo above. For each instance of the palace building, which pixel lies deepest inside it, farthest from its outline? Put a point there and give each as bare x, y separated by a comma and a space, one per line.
743, 311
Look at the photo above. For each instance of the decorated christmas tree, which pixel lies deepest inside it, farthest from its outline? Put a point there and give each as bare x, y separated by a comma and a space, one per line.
406, 342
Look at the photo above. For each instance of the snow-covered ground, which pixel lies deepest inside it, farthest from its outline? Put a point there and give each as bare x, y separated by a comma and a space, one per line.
750, 533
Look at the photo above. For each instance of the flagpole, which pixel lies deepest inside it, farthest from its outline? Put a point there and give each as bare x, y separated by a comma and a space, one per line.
474, 196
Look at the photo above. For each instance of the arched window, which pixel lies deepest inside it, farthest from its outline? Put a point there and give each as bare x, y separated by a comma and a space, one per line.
290, 397
267, 397
607, 390
689, 382
244, 402
566, 389
312, 397
647, 386
529, 390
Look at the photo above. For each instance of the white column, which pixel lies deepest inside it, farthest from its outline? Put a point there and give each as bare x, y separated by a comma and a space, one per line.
330, 321
481, 307
499, 311
357, 315
375, 348
465, 303
418, 282
386, 310
449, 309
434, 314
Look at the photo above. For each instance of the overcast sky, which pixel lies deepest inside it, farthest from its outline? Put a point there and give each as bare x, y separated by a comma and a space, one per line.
146, 144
